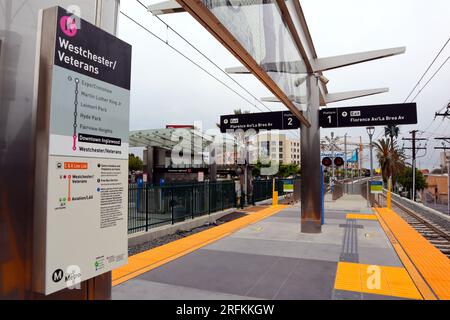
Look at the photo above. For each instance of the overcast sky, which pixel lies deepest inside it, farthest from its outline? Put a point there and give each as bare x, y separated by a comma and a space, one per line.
167, 89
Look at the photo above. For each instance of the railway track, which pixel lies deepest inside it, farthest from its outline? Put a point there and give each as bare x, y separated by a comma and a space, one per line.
431, 231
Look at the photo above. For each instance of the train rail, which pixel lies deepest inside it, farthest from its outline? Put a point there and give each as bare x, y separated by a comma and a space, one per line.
430, 230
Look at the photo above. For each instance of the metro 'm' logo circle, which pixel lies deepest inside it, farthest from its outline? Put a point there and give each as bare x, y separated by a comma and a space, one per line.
57, 275
68, 26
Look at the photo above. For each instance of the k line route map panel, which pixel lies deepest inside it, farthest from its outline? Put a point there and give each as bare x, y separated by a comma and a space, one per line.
87, 186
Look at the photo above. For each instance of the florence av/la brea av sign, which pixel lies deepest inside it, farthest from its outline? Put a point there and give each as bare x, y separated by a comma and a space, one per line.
364, 116
83, 104
275, 120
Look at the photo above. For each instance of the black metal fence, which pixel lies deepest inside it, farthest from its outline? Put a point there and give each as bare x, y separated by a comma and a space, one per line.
262, 189
151, 206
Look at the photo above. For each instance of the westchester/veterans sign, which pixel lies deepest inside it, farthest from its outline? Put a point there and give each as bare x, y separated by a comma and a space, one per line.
83, 109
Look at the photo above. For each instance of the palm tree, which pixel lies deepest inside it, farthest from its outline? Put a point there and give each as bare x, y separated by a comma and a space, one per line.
390, 158
392, 131
240, 111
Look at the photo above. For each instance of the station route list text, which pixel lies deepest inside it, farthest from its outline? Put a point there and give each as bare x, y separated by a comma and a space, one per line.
111, 194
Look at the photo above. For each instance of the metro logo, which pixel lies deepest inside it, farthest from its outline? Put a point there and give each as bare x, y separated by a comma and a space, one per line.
68, 25
76, 165
57, 275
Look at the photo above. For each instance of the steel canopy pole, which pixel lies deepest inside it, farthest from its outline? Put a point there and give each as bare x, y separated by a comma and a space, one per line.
311, 202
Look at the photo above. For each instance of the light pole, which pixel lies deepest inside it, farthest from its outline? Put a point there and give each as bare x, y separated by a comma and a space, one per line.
345, 156
370, 132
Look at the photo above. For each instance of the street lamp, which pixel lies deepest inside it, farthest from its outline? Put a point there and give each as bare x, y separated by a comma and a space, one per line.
370, 132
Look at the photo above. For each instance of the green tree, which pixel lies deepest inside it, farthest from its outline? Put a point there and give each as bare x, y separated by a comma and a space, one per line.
287, 170
284, 170
390, 158
135, 163
256, 169
405, 179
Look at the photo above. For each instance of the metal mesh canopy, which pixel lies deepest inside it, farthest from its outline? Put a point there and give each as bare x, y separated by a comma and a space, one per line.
272, 41
169, 138
260, 28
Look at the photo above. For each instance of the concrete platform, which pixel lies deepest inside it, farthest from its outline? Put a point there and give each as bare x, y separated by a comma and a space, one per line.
271, 259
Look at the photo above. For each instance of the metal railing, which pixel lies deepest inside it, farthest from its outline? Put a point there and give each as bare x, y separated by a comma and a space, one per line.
152, 206
262, 189
338, 190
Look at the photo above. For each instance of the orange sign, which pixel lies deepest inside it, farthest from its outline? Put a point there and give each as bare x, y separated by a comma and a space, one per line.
76, 165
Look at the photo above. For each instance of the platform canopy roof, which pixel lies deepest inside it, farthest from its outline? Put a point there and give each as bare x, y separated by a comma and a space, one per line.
272, 41
169, 138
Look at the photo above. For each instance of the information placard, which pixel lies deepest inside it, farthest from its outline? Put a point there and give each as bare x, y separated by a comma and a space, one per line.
376, 187
86, 185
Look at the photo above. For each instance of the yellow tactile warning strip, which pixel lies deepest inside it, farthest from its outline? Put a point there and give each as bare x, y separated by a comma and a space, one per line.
153, 258
380, 280
432, 264
420, 283
361, 216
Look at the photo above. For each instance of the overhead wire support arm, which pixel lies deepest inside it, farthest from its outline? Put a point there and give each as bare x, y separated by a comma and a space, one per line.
443, 140
444, 114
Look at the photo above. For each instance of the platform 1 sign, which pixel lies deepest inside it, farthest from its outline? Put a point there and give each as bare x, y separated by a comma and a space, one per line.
276, 120
83, 108
364, 116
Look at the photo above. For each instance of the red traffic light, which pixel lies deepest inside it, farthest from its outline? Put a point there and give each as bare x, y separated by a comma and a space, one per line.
338, 161
326, 162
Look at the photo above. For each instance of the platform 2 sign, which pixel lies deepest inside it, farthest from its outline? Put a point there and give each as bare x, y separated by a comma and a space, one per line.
83, 107
276, 120
373, 115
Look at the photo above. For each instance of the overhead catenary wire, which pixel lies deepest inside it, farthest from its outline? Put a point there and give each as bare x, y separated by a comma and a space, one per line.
189, 59
207, 58
432, 77
428, 69
435, 132
424, 86
423, 76
432, 121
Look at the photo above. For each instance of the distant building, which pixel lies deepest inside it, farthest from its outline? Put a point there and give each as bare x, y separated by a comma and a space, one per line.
444, 158
437, 187
278, 147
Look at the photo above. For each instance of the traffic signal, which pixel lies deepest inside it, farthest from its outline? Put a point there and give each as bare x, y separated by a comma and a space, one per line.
338, 161
326, 162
